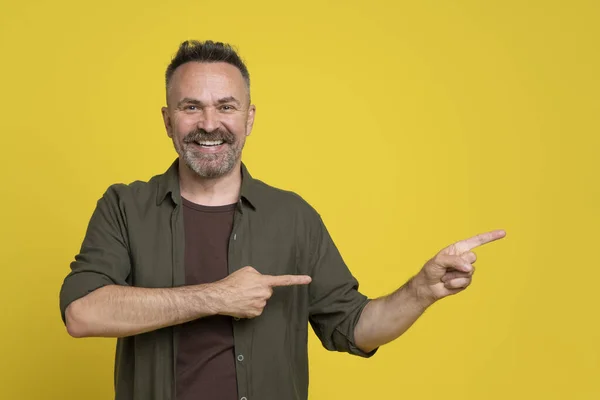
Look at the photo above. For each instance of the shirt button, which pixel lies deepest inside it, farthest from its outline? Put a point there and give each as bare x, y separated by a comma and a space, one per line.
236, 318
243, 398
240, 358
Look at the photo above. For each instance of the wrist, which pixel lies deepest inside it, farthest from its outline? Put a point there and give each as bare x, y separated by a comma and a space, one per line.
421, 292
209, 299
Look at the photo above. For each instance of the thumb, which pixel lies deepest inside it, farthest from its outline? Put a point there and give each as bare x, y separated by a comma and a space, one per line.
444, 262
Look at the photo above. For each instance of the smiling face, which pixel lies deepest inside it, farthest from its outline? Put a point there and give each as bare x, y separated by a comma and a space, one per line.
208, 116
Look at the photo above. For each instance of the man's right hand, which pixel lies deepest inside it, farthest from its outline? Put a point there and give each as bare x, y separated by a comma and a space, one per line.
244, 293
120, 311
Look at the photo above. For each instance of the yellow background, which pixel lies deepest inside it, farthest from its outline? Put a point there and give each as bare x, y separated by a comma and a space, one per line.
408, 125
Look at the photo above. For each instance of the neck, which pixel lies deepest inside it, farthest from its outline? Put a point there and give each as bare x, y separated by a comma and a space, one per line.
219, 191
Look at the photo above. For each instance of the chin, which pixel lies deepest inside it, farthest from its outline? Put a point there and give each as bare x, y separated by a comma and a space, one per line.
210, 170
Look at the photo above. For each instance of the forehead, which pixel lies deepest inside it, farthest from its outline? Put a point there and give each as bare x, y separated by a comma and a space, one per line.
202, 80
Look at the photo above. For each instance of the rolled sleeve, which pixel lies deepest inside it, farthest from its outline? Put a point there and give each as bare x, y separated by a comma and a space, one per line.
104, 256
336, 304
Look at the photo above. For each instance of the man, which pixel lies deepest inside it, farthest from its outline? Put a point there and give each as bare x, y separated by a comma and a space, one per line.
209, 277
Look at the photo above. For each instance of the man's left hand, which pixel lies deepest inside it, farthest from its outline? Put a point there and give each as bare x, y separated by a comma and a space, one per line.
451, 270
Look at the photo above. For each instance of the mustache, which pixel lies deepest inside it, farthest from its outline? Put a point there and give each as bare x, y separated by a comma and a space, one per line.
198, 135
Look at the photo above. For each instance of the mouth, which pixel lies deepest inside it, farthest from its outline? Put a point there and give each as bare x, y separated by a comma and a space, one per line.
209, 143
209, 146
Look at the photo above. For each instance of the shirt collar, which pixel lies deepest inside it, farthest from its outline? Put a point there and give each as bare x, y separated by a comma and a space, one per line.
168, 184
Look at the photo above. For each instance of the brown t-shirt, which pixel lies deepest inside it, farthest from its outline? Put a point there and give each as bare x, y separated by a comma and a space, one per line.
205, 357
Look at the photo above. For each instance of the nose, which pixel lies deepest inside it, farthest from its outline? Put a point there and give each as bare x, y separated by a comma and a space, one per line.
210, 119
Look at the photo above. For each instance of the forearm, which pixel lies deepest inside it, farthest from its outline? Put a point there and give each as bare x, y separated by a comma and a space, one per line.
386, 318
118, 311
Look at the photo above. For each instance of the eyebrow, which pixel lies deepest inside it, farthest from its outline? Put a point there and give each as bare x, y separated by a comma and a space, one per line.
223, 100
229, 99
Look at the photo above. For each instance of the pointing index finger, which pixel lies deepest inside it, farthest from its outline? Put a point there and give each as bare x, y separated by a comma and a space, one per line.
288, 280
476, 241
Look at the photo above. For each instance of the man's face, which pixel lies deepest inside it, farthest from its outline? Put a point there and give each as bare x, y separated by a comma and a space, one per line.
208, 116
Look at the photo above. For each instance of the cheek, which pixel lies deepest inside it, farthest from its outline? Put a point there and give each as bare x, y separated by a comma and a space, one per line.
183, 126
235, 124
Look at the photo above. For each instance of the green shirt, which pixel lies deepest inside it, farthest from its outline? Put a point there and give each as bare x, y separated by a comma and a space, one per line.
135, 238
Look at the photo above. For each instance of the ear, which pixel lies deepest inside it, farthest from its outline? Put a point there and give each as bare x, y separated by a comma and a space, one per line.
167, 121
250, 120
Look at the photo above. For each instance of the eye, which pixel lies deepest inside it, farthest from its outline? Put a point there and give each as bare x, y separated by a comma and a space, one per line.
227, 107
190, 108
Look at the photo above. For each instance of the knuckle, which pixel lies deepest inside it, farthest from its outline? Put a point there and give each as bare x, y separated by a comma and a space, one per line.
247, 269
459, 283
470, 257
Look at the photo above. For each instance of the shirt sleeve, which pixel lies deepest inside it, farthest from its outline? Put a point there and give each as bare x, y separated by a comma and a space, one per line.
335, 302
103, 258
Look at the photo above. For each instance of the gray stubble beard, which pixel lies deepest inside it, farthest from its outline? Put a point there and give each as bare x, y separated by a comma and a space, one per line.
211, 166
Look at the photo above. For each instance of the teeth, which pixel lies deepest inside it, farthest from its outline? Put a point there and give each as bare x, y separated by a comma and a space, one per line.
211, 143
